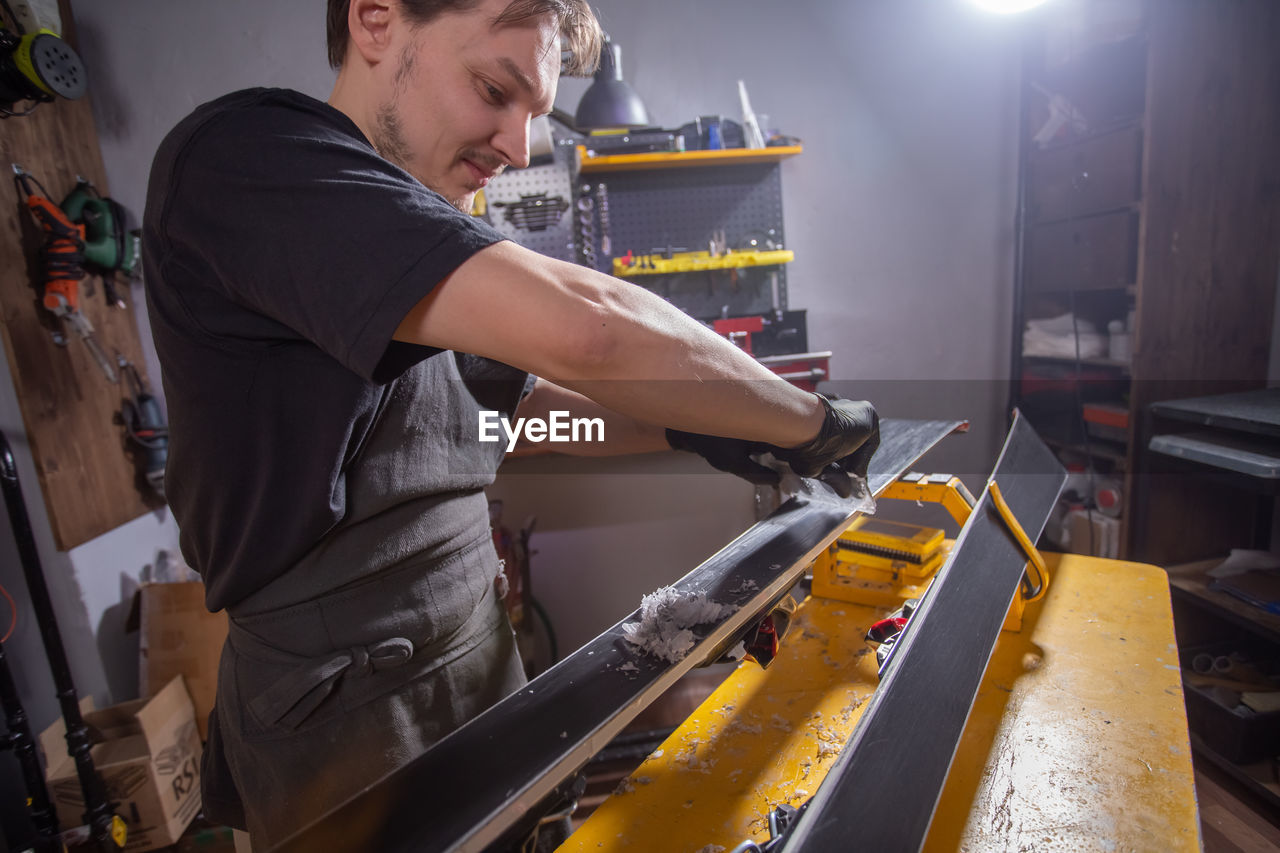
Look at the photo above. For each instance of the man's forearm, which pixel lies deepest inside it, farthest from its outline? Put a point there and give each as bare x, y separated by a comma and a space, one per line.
668, 369
619, 434
611, 341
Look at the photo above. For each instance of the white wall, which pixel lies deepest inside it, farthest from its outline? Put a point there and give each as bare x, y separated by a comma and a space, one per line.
900, 212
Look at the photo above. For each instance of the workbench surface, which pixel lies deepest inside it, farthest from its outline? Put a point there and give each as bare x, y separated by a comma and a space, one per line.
1077, 739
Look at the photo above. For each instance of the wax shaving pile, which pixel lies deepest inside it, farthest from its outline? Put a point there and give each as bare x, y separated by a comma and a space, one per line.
666, 615
793, 485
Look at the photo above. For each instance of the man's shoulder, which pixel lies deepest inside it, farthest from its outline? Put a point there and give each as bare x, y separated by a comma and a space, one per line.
264, 112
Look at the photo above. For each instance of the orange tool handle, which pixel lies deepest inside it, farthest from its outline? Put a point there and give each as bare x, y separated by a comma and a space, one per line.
53, 220
61, 255
69, 292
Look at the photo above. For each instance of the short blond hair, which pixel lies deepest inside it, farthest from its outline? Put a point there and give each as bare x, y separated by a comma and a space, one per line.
580, 33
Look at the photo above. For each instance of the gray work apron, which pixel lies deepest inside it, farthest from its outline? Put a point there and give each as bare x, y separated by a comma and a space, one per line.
322, 699
385, 636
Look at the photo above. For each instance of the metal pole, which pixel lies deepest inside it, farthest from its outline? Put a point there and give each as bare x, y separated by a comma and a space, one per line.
98, 813
43, 816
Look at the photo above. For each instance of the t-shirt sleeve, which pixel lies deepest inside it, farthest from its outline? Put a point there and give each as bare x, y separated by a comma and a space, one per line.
305, 224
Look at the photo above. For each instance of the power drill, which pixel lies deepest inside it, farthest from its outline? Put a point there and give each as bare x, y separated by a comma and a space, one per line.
62, 262
107, 246
144, 425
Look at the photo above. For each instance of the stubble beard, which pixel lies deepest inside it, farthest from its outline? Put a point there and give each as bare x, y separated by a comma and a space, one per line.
389, 139
390, 144
388, 132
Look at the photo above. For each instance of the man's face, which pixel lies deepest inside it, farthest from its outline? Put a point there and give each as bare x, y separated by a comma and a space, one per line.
461, 95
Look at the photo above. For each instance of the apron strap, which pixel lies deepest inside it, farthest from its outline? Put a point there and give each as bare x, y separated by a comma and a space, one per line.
293, 698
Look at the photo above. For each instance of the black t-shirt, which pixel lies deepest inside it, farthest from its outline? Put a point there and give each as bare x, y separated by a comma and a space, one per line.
307, 449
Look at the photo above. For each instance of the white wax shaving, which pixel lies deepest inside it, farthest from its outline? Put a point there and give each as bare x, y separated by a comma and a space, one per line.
666, 615
792, 485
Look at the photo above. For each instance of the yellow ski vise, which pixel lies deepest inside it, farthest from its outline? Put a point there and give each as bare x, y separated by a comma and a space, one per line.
884, 563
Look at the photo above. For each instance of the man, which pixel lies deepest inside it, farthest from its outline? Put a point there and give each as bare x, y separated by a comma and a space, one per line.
330, 324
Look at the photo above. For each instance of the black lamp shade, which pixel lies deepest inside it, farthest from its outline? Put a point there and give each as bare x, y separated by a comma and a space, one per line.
609, 101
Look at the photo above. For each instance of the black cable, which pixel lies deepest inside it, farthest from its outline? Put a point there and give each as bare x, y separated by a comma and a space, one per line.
551, 632
6, 113
1090, 468
1079, 408
1078, 394
1020, 229
36, 101
62, 253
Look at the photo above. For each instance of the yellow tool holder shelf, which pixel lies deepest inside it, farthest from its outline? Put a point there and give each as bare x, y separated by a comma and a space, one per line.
680, 159
698, 262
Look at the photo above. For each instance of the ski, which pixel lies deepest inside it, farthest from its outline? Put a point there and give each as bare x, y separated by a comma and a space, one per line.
486, 784
885, 785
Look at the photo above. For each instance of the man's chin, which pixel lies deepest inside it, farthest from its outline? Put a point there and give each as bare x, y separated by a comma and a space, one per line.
465, 203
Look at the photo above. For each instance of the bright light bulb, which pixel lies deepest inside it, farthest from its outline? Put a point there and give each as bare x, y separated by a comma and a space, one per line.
1006, 7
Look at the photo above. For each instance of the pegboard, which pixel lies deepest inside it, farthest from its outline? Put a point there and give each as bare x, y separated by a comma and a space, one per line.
549, 182
605, 214
653, 210
69, 409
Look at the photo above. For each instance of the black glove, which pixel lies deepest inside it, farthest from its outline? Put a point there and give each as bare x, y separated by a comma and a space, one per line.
731, 455
849, 437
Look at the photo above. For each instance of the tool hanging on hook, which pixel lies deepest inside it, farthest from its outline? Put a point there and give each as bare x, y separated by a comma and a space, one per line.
145, 426
36, 67
61, 263
107, 245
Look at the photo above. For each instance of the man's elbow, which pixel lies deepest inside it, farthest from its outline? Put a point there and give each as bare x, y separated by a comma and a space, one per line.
589, 347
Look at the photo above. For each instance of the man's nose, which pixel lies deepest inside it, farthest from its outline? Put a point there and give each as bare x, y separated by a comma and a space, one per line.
512, 141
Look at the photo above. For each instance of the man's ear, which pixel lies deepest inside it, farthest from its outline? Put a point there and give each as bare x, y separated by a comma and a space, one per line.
369, 24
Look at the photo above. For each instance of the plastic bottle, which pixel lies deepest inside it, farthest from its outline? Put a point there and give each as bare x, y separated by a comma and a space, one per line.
1076, 489
1108, 497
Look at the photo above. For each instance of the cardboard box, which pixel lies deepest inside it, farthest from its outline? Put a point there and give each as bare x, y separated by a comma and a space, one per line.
180, 637
148, 754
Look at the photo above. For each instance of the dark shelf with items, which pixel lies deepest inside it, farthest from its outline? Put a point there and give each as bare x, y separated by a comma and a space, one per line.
1208, 621
1191, 582
1108, 450
1127, 199
590, 163
1107, 363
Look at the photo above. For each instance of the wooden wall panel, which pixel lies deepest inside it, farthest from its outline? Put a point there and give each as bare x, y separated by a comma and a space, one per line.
1210, 248
68, 407
1213, 197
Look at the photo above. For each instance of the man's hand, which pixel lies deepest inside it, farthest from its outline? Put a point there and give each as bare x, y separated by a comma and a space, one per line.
731, 455
848, 438
844, 445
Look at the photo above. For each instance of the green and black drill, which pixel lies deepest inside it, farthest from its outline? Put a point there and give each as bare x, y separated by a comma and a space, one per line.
107, 246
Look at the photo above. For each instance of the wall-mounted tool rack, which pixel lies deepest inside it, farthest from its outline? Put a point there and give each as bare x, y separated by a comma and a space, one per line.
534, 206
588, 162
667, 208
625, 267
68, 407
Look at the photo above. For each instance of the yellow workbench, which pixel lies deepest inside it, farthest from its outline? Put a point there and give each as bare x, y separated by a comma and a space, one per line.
1077, 739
